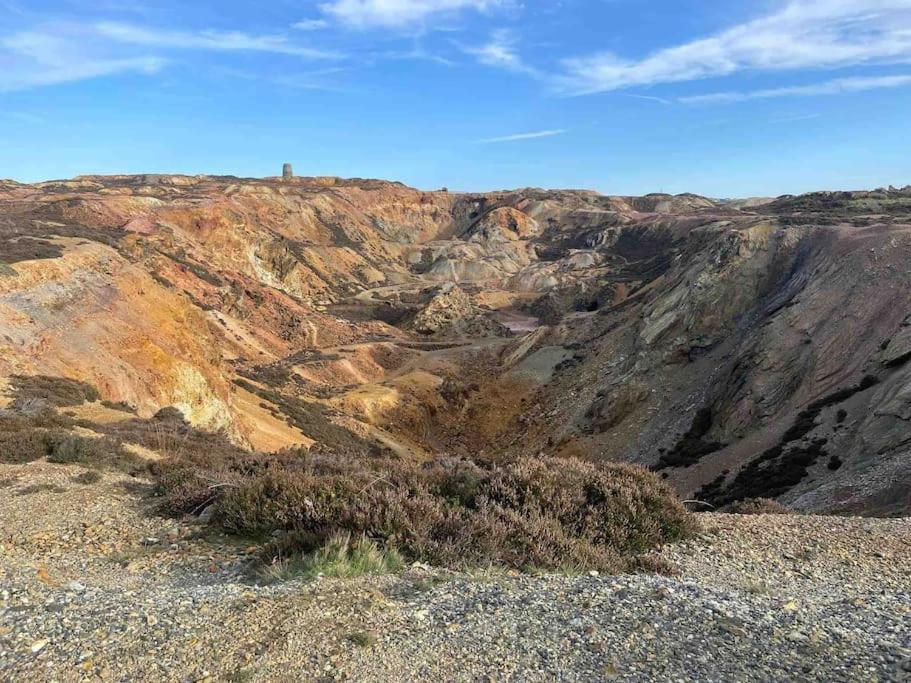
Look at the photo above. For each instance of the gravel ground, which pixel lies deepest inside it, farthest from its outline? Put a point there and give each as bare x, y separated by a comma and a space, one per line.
93, 587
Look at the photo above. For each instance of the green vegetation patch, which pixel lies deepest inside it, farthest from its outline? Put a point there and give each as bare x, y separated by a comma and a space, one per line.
341, 556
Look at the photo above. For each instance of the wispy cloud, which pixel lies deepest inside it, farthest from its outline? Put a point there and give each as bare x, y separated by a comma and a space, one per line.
322, 79
524, 136
325, 80
57, 53
837, 86
652, 98
207, 40
795, 118
23, 79
500, 51
310, 25
64, 54
416, 53
802, 34
13, 8
369, 14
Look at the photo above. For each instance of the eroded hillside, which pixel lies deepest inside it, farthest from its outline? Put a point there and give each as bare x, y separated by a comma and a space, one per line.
743, 349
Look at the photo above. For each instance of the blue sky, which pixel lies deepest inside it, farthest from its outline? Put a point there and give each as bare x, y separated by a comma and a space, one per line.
621, 96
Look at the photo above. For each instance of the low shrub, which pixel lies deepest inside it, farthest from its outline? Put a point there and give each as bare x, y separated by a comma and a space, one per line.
75, 449
121, 406
25, 438
529, 513
57, 391
545, 513
93, 452
757, 506
26, 445
33, 414
621, 506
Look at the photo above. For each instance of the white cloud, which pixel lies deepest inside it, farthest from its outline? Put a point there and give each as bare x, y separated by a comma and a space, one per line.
525, 136
803, 34
500, 51
365, 14
206, 40
833, 87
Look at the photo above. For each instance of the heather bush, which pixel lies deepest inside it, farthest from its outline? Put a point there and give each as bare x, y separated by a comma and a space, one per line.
543, 513
757, 506
25, 445
94, 452
57, 391
529, 513
21, 442
621, 506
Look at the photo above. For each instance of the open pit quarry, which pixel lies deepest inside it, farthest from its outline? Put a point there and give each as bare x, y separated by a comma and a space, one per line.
753, 348
182, 357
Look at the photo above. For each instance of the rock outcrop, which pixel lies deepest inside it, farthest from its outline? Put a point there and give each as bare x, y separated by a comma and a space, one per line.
451, 312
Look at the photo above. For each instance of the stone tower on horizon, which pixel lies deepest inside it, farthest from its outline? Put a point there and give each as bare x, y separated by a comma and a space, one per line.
287, 172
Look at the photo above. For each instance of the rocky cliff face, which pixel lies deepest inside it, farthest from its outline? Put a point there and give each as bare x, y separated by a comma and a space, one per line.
741, 348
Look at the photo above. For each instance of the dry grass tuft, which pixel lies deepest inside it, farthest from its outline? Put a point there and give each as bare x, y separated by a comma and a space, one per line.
339, 557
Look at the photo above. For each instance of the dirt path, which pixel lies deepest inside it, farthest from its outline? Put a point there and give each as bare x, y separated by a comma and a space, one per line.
92, 587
